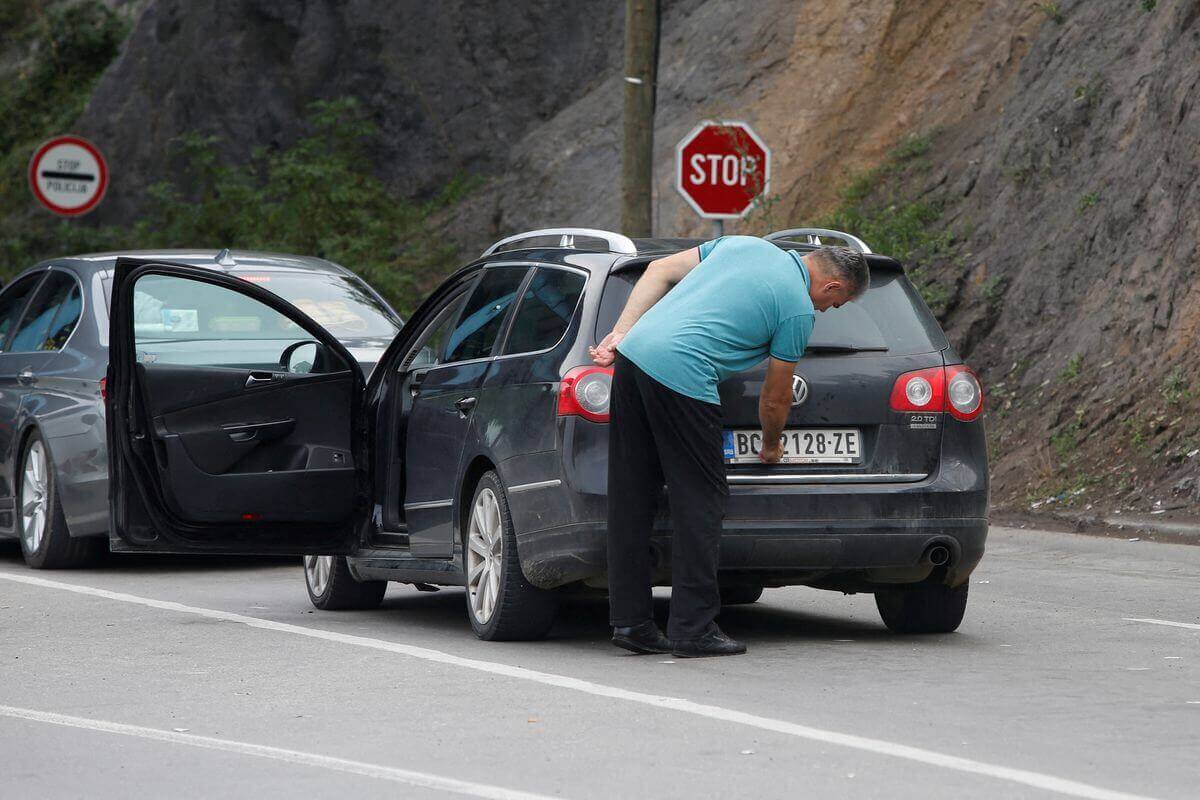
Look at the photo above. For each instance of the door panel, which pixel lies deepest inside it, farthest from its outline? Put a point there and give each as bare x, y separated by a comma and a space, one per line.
438, 422
444, 399
263, 450
213, 445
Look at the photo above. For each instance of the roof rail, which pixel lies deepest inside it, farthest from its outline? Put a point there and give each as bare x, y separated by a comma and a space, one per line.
814, 237
617, 243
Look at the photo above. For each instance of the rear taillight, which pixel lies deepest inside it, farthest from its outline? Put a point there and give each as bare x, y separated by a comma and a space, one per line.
963, 393
586, 392
954, 389
923, 390
104, 388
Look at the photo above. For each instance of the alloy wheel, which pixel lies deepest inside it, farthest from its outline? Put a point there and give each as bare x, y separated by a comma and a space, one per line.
34, 486
485, 555
317, 570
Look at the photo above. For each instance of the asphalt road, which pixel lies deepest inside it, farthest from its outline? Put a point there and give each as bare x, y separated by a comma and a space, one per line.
202, 677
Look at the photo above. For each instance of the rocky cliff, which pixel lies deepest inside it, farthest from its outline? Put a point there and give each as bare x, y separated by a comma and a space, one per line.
1060, 159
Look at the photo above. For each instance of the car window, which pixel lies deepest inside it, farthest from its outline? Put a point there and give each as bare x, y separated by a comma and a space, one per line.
65, 320
12, 301
189, 322
60, 291
340, 304
475, 333
545, 311
889, 316
431, 346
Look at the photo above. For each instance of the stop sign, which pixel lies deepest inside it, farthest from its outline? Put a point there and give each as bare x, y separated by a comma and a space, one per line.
721, 168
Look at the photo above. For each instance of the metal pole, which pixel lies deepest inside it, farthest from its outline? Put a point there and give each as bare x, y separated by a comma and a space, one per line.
718, 228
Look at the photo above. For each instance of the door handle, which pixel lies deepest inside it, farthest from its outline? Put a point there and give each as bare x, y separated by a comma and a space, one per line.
249, 431
258, 378
26, 377
464, 406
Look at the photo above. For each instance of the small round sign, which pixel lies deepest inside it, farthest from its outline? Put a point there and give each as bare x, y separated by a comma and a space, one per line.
68, 175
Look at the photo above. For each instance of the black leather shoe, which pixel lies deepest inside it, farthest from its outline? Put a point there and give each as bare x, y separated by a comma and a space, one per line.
644, 638
713, 642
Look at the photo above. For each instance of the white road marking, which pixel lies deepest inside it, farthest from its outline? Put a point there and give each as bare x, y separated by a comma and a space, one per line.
405, 776
1037, 780
1167, 622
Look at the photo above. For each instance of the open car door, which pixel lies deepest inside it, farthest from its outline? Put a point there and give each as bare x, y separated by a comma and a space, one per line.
235, 422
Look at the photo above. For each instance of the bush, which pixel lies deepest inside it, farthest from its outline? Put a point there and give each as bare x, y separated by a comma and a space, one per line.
314, 197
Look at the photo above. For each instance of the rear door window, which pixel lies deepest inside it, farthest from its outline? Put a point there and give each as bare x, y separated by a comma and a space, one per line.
890, 316
12, 301
546, 309
475, 333
38, 329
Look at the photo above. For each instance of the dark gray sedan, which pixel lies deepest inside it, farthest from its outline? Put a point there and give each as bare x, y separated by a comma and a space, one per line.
54, 354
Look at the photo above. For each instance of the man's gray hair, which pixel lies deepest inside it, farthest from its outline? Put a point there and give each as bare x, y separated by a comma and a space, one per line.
848, 266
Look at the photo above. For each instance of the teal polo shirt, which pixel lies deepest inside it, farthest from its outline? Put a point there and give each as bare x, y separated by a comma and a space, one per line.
745, 300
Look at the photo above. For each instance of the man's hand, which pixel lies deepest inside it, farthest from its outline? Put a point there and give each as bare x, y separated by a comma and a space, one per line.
605, 353
770, 454
774, 404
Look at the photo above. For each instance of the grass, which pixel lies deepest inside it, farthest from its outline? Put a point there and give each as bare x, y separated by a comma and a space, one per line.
1052, 10
1071, 372
1066, 440
1087, 201
900, 227
1176, 388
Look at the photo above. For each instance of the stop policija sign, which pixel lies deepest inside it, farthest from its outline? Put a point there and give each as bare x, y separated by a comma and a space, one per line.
68, 175
722, 168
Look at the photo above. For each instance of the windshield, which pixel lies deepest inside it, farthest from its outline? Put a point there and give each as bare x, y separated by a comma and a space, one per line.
340, 304
889, 317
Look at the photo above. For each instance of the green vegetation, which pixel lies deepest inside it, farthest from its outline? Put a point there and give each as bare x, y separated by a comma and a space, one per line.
315, 197
1052, 11
65, 50
1089, 93
1066, 441
1175, 388
1070, 372
1087, 201
992, 289
904, 229
1148, 5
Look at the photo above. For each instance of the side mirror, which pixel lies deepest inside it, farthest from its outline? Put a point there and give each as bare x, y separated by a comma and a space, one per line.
302, 357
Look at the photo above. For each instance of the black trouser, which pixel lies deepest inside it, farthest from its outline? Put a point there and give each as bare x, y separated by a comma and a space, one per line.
656, 435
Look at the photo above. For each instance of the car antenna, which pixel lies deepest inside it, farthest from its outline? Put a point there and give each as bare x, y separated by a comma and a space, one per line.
225, 258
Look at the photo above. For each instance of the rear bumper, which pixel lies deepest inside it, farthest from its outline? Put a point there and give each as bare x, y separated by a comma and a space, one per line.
851, 554
850, 536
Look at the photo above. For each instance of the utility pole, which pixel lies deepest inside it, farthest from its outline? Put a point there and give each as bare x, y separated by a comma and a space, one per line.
637, 151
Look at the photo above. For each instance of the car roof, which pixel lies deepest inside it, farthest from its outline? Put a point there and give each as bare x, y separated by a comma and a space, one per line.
214, 259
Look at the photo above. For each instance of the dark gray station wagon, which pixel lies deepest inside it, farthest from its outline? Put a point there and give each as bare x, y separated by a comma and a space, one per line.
476, 453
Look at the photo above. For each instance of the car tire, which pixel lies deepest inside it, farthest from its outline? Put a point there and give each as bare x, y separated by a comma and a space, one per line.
501, 604
922, 607
740, 595
331, 587
46, 542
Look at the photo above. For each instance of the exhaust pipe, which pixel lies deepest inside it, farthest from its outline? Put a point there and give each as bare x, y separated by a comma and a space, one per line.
936, 555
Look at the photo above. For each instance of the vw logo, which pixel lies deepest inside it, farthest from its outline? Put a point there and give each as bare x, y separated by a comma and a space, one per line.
799, 390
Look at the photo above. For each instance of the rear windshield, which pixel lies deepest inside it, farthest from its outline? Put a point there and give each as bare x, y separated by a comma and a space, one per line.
889, 316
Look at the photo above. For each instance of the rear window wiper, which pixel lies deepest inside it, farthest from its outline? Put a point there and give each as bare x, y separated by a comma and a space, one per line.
844, 348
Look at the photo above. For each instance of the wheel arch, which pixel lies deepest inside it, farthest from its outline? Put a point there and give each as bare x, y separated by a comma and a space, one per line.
475, 470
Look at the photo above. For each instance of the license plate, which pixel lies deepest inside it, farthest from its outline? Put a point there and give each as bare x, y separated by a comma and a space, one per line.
800, 446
